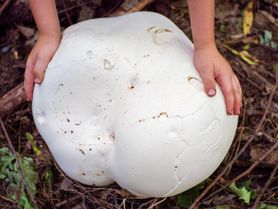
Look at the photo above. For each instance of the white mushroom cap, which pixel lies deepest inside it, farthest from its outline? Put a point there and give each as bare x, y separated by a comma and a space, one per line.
121, 101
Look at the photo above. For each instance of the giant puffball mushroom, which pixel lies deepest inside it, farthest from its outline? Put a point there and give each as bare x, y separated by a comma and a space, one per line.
122, 101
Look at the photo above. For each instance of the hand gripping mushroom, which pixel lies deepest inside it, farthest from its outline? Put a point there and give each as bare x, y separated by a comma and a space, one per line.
122, 101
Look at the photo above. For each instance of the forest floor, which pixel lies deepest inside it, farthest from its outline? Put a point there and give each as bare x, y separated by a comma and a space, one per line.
247, 178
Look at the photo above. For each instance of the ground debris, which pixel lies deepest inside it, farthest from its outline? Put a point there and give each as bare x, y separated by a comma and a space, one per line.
55, 190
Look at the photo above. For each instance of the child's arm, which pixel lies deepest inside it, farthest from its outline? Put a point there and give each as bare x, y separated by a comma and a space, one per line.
207, 59
46, 18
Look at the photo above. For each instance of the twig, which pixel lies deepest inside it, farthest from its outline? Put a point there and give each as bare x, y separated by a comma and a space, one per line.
74, 7
59, 204
157, 203
11, 100
18, 164
152, 201
246, 172
269, 180
258, 128
139, 6
4, 6
7, 199
66, 12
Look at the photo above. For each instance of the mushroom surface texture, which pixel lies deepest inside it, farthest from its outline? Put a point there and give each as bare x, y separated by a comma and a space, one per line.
121, 101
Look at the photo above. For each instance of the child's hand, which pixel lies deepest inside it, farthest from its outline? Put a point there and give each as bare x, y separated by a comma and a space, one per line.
212, 67
38, 60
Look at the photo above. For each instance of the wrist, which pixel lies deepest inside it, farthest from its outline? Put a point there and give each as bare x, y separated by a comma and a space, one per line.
205, 45
55, 36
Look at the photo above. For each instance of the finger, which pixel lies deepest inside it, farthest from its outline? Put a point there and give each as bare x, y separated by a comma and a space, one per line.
39, 69
208, 79
29, 79
237, 95
240, 89
225, 83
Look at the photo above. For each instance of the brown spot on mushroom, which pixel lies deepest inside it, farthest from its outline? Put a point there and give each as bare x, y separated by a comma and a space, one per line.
163, 113
195, 83
83, 174
131, 87
112, 136
151, 28
162, 30
82, 151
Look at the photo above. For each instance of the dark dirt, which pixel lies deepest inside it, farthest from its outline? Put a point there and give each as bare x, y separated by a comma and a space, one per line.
258, 121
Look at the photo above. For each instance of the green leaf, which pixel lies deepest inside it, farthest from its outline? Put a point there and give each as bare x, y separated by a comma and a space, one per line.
242, 192
10, 173
266, 40
223, 207
29, 172
247, 183
24, 201
222, 28
267, 36
273, 45
275, 67
267, 206
48, 175
33, 143
186, 198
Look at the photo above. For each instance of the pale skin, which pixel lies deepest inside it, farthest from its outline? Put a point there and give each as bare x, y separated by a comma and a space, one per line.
211, 65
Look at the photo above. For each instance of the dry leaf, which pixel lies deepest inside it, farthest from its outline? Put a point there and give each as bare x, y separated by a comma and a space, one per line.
248, 18
27, 32
244, 55
258, 151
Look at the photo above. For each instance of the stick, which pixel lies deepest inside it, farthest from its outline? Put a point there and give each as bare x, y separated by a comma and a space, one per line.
4, 6
248, 171
12, 100
139, 6
7, 199
157, 203
66, 12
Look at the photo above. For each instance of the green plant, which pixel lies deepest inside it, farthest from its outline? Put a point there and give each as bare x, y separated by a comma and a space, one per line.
16, 187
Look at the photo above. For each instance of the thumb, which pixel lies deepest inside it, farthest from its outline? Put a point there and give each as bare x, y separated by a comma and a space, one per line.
207, 77
39, 69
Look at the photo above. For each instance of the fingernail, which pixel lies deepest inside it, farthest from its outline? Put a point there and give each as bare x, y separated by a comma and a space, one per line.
230, 112
37, 80
211, 92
